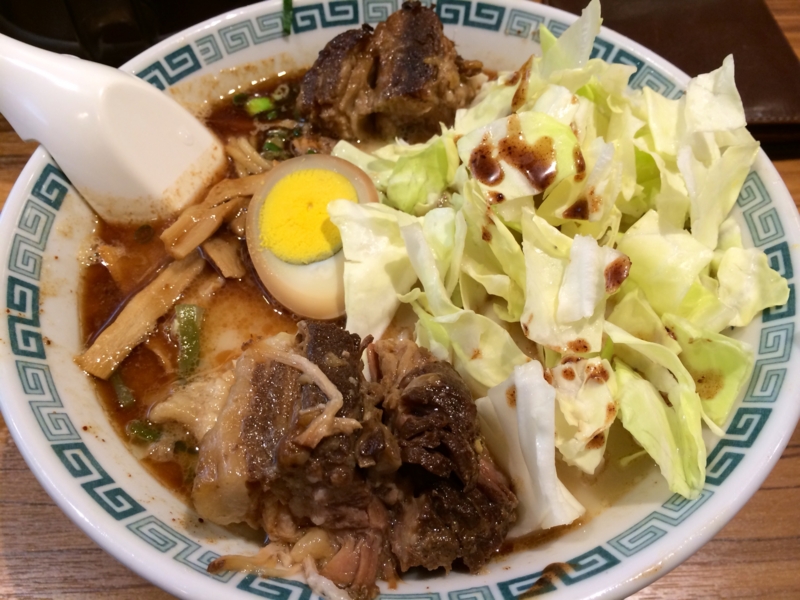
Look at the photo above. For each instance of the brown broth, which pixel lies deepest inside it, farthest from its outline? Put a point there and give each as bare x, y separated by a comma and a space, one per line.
596, 493
230, 118
239, 311
238, 308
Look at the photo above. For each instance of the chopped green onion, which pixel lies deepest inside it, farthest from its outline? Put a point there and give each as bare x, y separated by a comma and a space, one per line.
286, 18
280, 134
274, 147
240, 99
144, 234
187, 327
124, 394
311, 151
259, 105
273, 114
281, 92
143, 430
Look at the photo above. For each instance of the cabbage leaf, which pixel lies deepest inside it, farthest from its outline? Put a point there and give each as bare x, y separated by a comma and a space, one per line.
377, 267
669, 433
586, 397
526, 429
479, 348
748, 284
665, 260
720, 365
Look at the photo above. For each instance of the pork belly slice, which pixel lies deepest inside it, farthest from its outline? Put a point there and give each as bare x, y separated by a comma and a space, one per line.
252, 448
253, 469
240, 447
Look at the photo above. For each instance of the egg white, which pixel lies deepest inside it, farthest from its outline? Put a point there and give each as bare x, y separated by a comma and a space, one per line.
315, 290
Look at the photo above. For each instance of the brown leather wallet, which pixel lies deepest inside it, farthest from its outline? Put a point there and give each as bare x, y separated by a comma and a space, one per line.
695, 35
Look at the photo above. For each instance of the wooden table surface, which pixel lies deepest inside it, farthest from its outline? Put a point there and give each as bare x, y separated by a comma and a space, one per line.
44, 555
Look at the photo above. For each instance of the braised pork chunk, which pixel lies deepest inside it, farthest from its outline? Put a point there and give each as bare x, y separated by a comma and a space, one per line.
398, 480
402, 80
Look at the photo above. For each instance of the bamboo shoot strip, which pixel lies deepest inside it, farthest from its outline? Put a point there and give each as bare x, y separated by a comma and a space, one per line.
139, 317
224, 253
199, 222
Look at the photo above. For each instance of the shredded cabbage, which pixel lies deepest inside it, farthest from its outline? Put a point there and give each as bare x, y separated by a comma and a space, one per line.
522, 281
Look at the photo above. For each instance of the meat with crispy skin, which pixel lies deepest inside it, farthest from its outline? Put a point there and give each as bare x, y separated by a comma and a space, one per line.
421, 80
331, 91
403, 80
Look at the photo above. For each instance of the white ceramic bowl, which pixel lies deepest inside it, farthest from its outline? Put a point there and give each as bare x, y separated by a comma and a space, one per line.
63, 433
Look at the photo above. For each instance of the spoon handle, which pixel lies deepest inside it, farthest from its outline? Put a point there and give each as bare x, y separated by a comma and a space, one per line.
37, 85
131, 151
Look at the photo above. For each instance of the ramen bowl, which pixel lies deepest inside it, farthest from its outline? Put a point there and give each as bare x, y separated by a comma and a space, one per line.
68, 441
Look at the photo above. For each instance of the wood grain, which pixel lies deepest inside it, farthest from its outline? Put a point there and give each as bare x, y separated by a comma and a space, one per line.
14, 153
44, 555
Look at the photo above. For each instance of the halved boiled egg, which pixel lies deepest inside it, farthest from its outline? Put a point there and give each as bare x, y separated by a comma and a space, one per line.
294, 246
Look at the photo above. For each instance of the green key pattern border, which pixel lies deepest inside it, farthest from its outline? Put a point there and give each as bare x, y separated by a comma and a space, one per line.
231, 38
51, 186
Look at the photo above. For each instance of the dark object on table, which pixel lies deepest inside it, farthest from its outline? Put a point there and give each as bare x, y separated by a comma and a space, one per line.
695, 35
106, 31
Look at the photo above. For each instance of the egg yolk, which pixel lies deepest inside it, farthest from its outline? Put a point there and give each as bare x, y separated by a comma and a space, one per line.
294, 222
